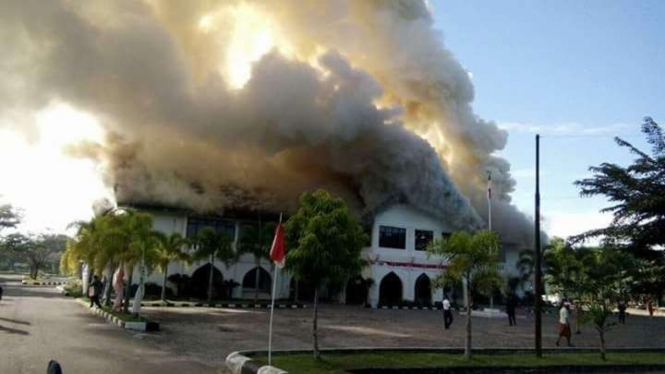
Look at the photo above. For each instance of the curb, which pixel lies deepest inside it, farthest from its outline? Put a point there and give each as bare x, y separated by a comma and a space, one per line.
407, 307
53, 283
237, 363
179, 304
110, 318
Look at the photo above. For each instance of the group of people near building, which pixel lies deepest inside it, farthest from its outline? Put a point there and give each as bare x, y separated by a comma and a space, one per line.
96, 290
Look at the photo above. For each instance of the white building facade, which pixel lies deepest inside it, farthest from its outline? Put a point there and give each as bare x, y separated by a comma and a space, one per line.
400, 269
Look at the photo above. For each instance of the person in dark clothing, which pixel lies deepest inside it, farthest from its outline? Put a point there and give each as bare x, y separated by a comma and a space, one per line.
53, 368
511, 305
0, 292
622, 313
95, 291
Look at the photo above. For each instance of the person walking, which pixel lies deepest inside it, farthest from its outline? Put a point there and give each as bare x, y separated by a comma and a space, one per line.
622, 312
447, 313
564, 324
1, 292
649, 307
95, 291
511, 305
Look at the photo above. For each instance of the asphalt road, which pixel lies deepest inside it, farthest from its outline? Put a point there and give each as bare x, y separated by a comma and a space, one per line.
38, 324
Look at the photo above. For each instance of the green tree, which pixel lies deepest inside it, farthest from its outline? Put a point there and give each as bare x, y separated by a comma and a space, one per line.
54, 246
473, 259
9, 217
125, 238
564, 267
256, 240
648, 278
525, 266
324, 242
637, 193
118, 238
169, 248
36, 251
15, 245
84, 246
211, 245
604, 269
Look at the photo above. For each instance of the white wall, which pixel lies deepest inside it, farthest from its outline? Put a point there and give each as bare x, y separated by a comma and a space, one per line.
169, 222
403, 262
386, 260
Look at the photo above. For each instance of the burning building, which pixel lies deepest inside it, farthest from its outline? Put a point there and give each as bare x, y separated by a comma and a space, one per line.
214, 107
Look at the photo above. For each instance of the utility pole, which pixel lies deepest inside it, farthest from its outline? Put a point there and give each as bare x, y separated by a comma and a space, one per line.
538, 273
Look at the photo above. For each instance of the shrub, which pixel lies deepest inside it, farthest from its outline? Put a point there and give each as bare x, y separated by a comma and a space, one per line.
73, 288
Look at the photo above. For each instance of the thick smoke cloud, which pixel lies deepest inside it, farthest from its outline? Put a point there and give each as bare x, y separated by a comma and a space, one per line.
359, 97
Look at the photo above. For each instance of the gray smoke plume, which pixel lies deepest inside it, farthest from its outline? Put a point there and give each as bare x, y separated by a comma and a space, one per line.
366, 103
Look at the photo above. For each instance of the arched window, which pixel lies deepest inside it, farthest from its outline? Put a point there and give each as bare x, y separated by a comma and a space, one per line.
259, 276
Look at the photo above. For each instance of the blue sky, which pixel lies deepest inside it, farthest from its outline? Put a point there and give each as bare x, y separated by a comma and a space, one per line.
578, 72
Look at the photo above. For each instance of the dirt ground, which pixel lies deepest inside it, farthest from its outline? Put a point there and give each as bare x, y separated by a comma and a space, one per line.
211, 334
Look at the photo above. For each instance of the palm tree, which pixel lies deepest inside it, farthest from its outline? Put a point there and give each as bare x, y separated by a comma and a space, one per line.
525, 267
128, 239
473, 259
211, 244
256, 240
169, 248
564, 266
85, 246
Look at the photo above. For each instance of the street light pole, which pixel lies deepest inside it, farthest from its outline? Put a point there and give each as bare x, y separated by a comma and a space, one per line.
538, 274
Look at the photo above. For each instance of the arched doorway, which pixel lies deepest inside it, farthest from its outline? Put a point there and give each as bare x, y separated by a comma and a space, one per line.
249, 282
356, 291
390, 290
200, 280
423, 290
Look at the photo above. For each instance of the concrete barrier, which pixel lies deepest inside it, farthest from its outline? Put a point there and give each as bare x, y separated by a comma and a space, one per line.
110, 318
237, 363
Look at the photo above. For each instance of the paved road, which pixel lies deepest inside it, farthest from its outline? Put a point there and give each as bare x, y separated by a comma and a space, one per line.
38, 324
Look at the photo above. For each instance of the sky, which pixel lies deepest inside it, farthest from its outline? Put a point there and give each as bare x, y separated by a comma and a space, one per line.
577, 72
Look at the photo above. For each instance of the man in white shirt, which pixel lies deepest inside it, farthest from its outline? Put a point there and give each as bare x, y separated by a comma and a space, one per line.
564, 323
447, 313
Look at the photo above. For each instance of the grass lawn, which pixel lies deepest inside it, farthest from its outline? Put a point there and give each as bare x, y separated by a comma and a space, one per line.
127, 317
336, 363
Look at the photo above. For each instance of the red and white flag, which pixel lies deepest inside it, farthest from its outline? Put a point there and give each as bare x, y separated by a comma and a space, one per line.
278, 249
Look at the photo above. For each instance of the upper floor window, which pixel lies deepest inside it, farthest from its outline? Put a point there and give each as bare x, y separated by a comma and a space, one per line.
423, 238
392, 237
194, 225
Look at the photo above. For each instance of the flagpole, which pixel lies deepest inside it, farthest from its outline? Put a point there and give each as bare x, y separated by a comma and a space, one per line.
272, 306
489, 217
489, 200
272, 310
